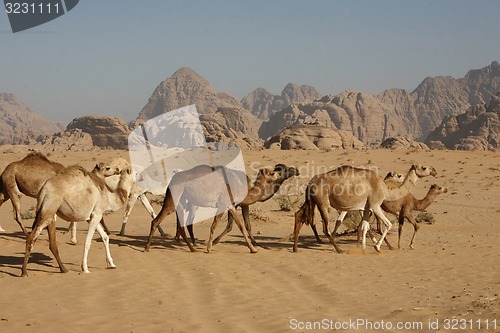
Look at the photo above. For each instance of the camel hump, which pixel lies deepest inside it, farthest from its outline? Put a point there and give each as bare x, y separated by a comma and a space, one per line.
35, 155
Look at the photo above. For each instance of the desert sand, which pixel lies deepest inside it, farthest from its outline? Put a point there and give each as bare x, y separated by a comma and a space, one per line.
452, 274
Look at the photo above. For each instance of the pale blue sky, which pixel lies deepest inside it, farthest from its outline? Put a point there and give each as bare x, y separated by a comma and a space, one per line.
107, 56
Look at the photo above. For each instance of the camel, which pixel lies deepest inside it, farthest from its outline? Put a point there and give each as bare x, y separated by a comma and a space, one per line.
62, 195
262, 190
350, 188
198, 193
26, 176
404, 207
392, 179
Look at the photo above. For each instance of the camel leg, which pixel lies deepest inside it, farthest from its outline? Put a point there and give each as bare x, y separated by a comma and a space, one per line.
94, 221
240, 224
379, 231
182, 232
128, 209
296, 232
51, 228
104, 226
323, 210
105, 240
380, 214
72, 233
363, 229
212, 231
315, 231
228, 228
338, 222
167, 209
30, 242
415, 229
16, 204
3, 197
245, 211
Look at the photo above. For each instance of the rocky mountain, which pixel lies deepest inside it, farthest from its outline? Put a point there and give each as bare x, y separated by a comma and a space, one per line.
263, 104
221, 115
394, 112
362, 115
313, 137
478, 128
184, 87
106, 132
21, 125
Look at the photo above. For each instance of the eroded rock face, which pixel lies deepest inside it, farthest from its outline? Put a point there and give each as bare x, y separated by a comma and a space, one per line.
21, 125
476, 129
263, 104
106, 132
311, 137
394, 112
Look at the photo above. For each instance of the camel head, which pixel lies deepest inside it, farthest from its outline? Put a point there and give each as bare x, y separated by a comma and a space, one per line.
285, 171
394, 177
106, 170
438, 189
424, 170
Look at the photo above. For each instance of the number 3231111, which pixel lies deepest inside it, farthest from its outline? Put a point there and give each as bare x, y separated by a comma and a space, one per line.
31, 8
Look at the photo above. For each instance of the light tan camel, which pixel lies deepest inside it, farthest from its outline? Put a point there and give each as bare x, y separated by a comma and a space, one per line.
78, 195
404, 207
392, 179
26, 176
202, 194
349, 188
262, 190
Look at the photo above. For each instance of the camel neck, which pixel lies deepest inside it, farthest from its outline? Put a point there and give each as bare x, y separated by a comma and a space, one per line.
426, 201
395, 193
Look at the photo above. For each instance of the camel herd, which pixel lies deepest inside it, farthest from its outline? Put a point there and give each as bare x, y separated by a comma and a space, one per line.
75, 194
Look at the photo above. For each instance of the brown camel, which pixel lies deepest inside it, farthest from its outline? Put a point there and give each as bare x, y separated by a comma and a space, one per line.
261, 190
404, 208
62, 195
196, 192
26, 176
349, 188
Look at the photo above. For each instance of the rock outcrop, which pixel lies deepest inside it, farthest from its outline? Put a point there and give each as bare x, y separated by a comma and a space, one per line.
263, 104
106, 132
476, 129
21, 125
312, 137
72, 140
232, 124
403, 142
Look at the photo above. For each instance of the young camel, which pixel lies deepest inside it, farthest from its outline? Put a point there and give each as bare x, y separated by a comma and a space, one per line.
262, 190
349, 188
404, 208
192, 188
26, 176
62, 195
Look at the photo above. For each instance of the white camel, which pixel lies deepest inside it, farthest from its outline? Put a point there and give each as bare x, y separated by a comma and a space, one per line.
62, 195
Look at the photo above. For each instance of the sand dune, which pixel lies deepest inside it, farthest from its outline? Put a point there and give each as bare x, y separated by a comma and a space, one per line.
453, 272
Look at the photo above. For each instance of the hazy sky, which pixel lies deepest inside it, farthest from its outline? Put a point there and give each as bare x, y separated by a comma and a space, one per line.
107, 56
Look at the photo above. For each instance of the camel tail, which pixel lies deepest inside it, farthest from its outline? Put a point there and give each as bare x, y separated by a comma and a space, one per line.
306, 212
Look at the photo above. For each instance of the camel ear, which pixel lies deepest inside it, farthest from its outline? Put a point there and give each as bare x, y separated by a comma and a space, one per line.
98, 166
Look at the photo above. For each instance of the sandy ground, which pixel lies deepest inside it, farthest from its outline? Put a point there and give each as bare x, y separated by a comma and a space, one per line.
449, 283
